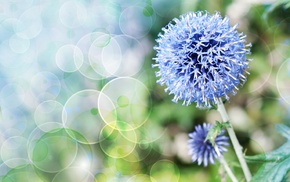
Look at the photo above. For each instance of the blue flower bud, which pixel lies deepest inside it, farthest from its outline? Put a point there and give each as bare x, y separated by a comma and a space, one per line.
201, 149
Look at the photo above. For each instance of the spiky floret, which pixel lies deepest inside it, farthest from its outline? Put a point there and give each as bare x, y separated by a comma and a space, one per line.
201, 58
201, 149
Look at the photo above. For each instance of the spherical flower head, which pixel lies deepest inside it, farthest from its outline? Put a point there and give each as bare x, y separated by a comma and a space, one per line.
201, 58
202, 150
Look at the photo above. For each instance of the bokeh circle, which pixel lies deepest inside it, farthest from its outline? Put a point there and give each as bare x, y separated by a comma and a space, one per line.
13, 151
52, 151
164, 170
82, 111
45, 86
48, 115
114, 143
130, 96
283, 81
133, 21
74, 174
69, 58
92, 39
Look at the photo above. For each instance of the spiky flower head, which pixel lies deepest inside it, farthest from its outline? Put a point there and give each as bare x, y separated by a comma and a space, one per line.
201, 149
201, 58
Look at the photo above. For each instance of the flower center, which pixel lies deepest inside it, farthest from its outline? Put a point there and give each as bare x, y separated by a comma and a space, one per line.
203, 58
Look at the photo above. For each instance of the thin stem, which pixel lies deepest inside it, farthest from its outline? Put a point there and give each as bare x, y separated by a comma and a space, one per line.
235, 142
225, 165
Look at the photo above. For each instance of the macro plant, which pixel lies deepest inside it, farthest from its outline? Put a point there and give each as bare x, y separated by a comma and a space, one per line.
203, 150
201, 58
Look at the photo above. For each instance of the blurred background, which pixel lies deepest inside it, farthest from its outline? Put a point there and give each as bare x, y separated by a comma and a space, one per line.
79, 99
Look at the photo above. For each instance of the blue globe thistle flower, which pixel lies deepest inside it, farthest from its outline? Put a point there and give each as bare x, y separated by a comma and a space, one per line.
201, 58
202, 150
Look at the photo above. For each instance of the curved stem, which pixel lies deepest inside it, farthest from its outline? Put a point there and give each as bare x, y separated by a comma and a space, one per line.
225, 165
235, 142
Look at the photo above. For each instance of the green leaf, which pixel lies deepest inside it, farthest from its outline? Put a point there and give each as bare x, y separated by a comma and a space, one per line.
216, 130
276, 163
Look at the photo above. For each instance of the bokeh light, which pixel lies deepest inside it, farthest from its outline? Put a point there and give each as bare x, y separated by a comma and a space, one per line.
81, 113
129, 97
282, 81
53, 151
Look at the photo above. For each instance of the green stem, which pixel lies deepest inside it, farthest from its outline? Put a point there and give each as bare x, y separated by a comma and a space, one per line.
225, 165
235, 142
